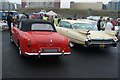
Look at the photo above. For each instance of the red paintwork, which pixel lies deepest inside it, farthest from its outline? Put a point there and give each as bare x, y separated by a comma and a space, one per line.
39, 40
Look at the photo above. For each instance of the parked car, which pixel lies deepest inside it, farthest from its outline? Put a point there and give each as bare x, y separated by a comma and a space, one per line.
86, 34
3, 25
3, 14
38, 37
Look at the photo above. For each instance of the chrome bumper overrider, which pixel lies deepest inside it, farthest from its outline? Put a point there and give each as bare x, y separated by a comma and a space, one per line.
65, 53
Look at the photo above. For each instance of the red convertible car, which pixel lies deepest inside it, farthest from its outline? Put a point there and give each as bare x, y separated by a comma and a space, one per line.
38, 37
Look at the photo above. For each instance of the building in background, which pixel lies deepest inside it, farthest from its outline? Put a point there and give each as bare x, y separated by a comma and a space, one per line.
23, 3
114, 5
0, 5
40, 3
87, 5
115, 0
6, 5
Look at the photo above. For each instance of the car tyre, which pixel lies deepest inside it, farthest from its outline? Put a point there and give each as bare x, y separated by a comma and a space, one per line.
11, 39
20, 52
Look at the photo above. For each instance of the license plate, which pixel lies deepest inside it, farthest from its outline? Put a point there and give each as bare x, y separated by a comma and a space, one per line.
50, 50
102, 45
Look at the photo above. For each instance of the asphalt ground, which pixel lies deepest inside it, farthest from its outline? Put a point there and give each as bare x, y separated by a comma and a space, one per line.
0, 54
82, 63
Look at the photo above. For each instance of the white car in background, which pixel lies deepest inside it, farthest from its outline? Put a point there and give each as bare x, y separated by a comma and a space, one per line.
3, 25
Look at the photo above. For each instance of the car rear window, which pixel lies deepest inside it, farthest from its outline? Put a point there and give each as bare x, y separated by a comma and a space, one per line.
42, 27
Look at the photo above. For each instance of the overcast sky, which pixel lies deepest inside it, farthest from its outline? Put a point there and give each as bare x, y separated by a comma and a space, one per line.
66, 3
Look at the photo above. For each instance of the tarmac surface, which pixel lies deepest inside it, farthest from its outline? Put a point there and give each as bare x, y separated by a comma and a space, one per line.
0, 54
82, 63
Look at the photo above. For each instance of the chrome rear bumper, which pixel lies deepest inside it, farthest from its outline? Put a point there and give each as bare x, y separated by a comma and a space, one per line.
47, 54
100, 42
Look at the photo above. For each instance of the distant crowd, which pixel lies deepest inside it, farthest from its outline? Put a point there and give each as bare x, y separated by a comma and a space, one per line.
102, 23
16, 18
108, 24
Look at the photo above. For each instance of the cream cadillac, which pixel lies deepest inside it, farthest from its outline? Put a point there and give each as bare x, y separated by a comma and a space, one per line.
86, 34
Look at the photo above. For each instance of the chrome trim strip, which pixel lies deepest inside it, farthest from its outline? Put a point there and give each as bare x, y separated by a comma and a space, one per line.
66, 53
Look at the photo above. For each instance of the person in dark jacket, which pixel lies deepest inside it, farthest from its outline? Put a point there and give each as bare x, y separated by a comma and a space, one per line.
9, 21
98, 24
27, 16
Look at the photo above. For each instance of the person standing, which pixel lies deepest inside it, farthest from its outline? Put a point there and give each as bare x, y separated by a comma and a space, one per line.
99, 23
103, 24
23, 16
55, 21
51, 19
9, 20
40, 16
27, 16
45, 17
109, 25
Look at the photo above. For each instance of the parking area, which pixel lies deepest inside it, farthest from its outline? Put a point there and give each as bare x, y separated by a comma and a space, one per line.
82, 63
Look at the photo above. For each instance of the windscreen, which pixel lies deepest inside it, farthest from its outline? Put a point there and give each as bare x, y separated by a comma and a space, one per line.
84, 26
